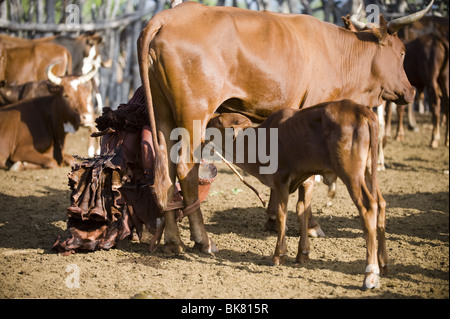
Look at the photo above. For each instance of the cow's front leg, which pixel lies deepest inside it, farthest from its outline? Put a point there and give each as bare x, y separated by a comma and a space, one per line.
188, 175
32, 159
280, 248
400, 135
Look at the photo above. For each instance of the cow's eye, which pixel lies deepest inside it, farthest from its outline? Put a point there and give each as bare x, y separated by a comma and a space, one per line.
66, 96
402, 55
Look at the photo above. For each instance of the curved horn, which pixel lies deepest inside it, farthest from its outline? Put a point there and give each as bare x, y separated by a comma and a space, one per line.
88, 76
51, 77
396, 24
359, 26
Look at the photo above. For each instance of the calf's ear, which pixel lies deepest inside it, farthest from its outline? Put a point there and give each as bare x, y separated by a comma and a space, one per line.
214, 120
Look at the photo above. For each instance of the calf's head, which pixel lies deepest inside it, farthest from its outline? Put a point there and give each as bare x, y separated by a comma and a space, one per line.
235, 121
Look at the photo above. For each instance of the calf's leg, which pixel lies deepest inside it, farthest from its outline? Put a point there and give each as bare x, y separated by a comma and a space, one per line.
304, 214
368, 211
314, 229
280, 248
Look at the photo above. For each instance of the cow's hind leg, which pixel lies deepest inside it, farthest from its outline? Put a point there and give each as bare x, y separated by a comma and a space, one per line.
172, 239
188, 175
435, 104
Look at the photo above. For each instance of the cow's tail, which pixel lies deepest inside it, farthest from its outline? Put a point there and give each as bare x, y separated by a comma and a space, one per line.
373, 129
163, 183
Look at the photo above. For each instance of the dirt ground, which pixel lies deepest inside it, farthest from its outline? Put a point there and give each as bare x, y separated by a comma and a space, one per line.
415, 186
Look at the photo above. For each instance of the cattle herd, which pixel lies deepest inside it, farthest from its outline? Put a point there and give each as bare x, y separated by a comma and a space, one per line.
313, 84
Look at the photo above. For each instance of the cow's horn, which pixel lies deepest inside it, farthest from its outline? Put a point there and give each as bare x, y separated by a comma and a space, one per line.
51, 77
88, 76
354, 19
396, 24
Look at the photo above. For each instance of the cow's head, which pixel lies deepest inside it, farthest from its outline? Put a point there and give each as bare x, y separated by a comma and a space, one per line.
387, 64
94, 52
77, 93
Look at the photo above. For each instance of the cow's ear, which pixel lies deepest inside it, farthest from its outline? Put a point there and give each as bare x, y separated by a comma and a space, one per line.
54, 89
382, 32
95, 39
348, 24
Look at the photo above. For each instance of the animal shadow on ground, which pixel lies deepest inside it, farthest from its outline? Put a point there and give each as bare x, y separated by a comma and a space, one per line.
422, 215
30, 222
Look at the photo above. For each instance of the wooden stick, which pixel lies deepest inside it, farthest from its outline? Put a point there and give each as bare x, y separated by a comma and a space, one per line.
230, 165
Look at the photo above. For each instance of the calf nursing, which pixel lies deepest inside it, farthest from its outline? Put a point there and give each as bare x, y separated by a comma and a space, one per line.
336, 139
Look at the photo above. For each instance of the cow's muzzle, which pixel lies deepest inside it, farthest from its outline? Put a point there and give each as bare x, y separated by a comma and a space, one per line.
87, 120
407, 97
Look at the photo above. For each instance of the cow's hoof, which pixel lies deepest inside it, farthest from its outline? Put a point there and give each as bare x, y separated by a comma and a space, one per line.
371, 281
399, 138
17, 166
301, 259
384, 270
316, 232
278, 260
173, 248
434, 144
271, 225
209, 248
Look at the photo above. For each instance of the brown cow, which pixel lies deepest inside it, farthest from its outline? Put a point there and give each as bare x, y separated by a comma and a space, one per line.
25, 63
32, 132
76, 88
86, 51
254, 63
336, 139
426, 65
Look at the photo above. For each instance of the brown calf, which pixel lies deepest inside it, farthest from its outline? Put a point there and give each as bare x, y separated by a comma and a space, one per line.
335, 139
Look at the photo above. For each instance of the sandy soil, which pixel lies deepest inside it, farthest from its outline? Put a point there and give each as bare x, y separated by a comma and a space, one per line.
415, 185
